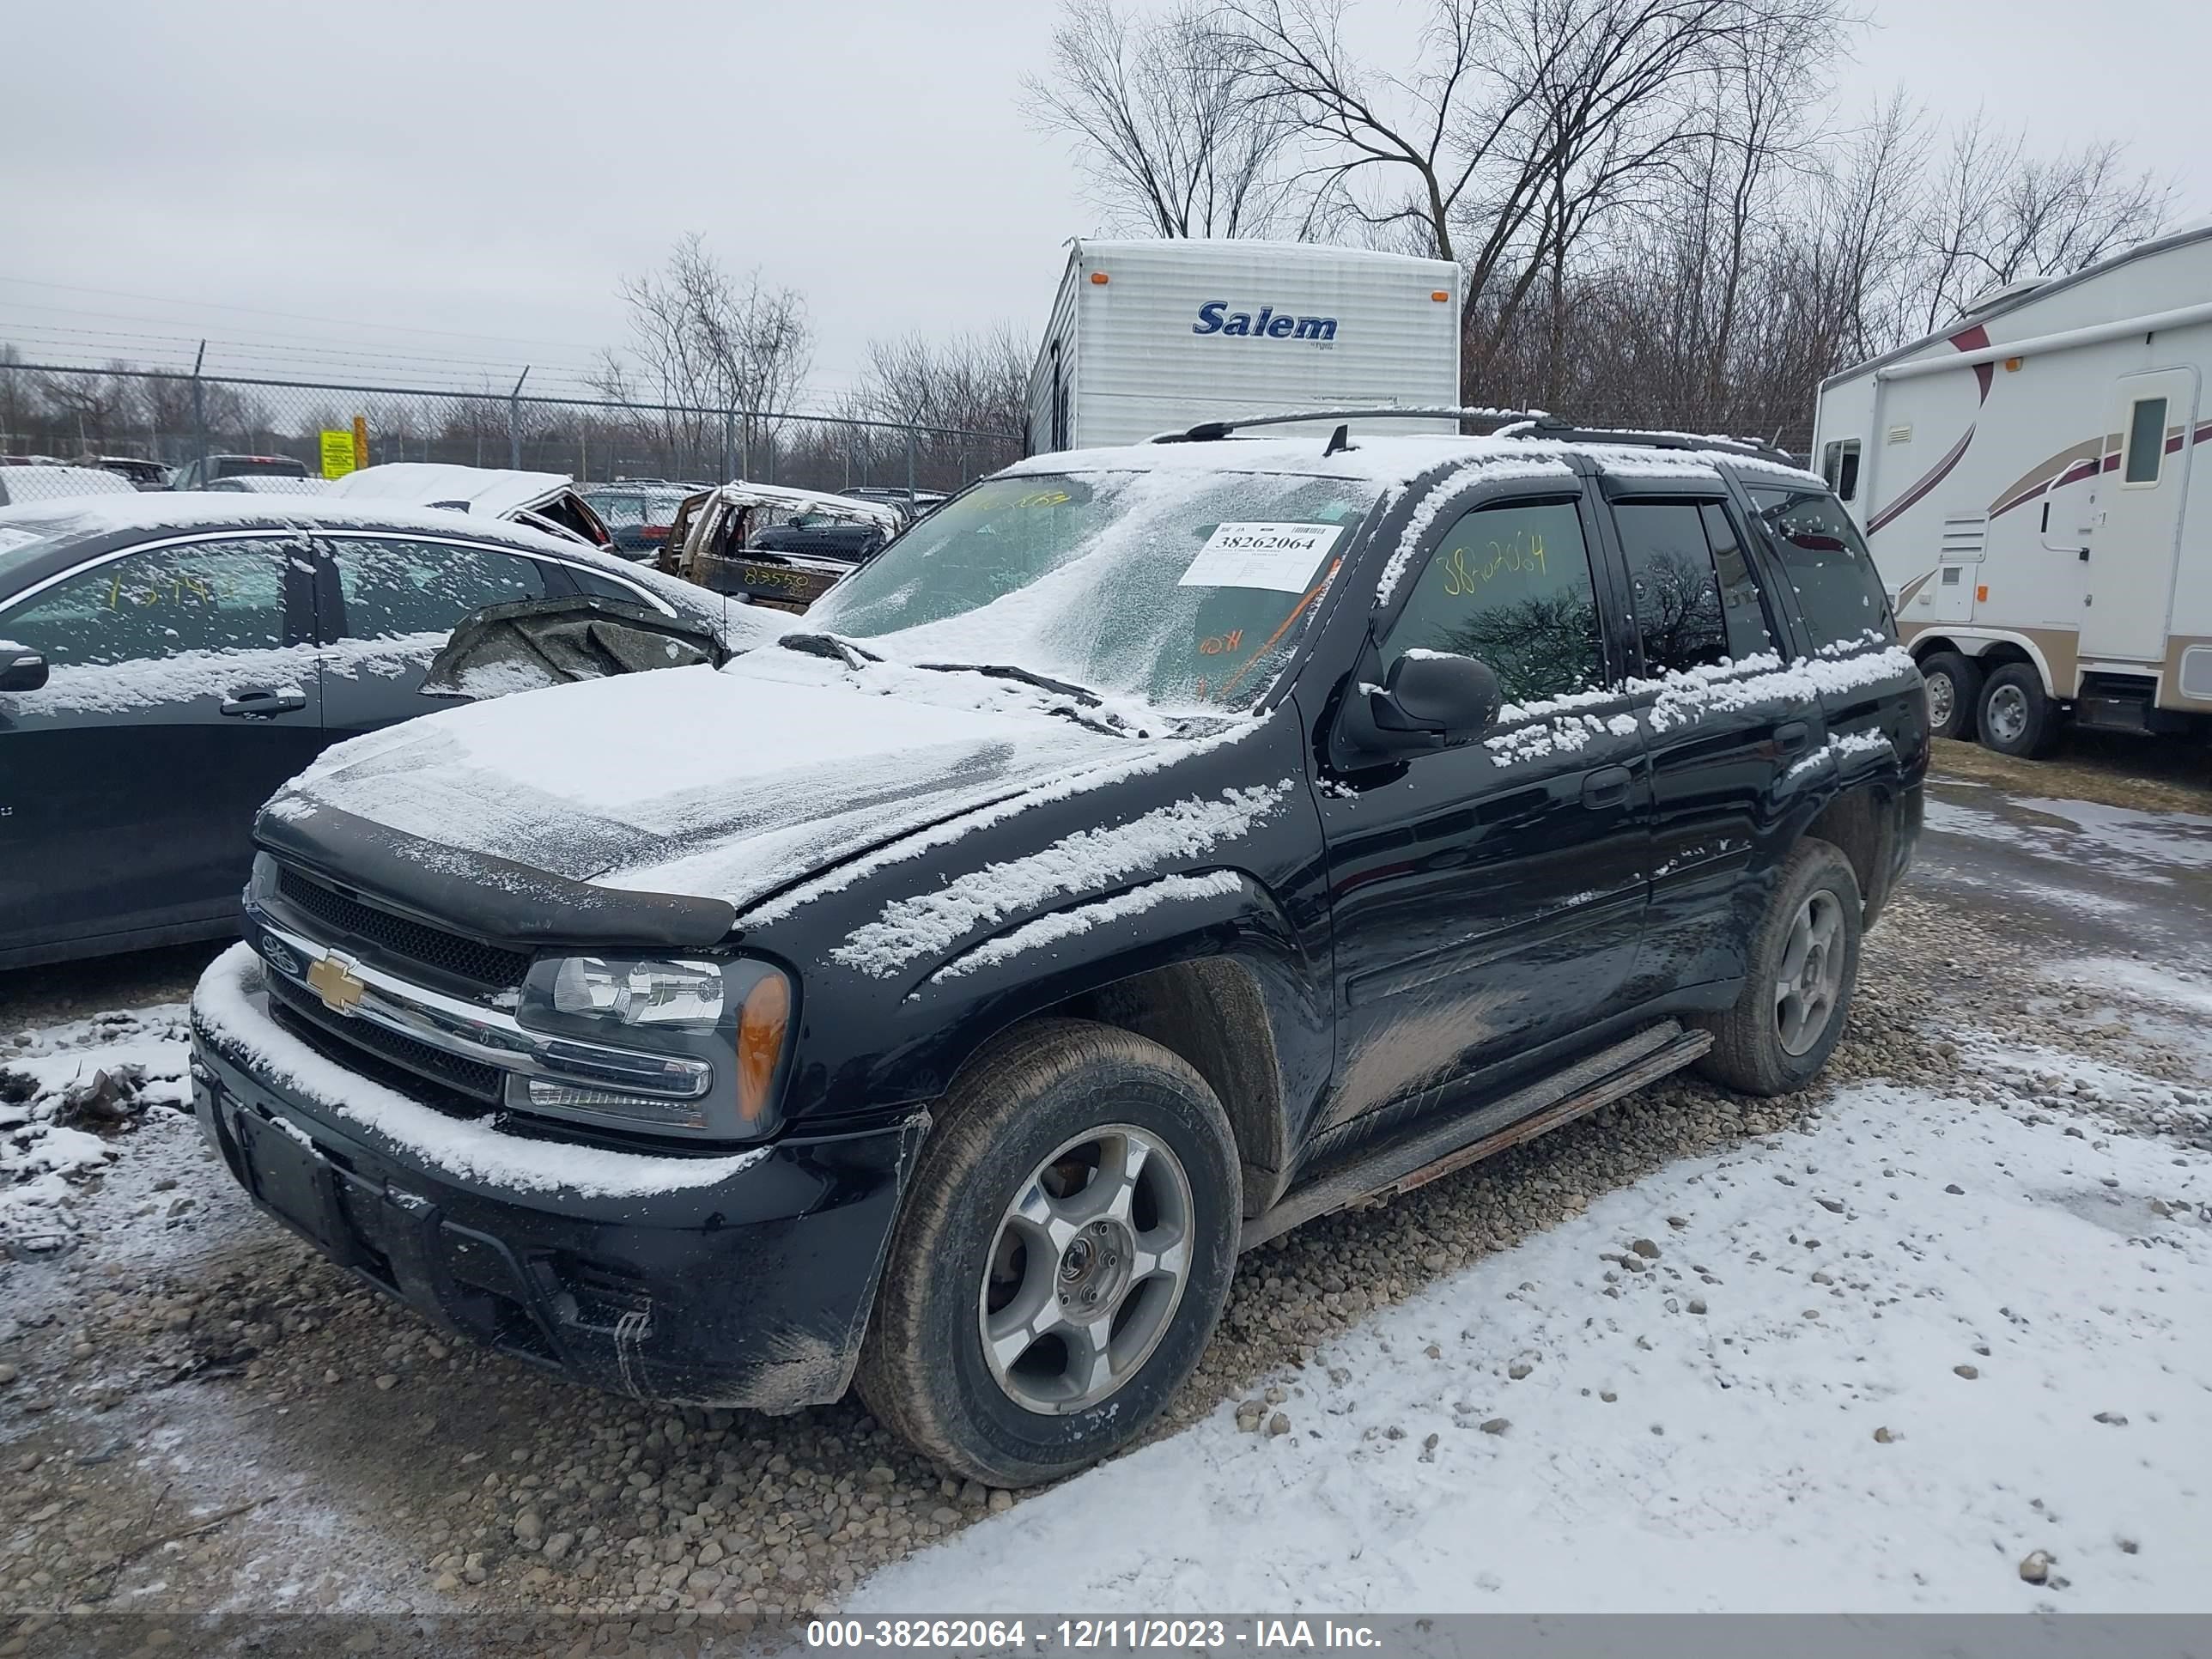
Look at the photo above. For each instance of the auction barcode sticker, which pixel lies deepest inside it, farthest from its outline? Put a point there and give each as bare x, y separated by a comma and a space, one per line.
1279, 555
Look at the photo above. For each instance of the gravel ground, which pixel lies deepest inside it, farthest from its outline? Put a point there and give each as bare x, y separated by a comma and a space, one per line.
197, 1414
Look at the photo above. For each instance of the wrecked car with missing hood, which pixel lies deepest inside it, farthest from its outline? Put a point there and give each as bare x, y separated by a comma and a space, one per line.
1152, 850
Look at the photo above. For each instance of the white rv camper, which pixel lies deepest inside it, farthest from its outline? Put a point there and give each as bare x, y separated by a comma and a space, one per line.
1148, 338
2027, 481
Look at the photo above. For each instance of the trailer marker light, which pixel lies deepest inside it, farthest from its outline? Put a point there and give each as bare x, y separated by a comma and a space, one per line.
1099, 277
1981, 592
2011, 364
1440, 296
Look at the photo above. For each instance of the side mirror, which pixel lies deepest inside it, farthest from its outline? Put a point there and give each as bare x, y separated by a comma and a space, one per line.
21, 669
1430, 699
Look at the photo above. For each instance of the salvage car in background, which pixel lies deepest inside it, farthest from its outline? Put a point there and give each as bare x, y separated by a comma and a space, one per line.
773, 546
1151, 849
19, 484
270, 483
138, 472
166, 661
542, 501
200, 473
637, 513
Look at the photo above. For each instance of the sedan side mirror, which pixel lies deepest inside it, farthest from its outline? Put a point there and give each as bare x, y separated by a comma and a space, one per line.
1428, 700
21, 669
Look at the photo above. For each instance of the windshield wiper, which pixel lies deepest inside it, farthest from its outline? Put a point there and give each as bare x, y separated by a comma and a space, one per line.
829, 646
997, 670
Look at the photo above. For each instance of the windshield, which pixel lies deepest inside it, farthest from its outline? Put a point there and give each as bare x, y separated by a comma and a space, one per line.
1185, 588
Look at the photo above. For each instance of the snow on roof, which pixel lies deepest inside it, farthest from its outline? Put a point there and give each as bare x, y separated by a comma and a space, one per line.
1308, 253
1394, 459
850, 507
490, 491
41, 484
1397, 458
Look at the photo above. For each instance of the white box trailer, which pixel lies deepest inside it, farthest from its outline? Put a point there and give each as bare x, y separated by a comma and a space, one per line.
1151, 336
2027, 481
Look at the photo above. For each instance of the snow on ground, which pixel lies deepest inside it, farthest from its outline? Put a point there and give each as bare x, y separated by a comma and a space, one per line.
1872, 1367
59, 1124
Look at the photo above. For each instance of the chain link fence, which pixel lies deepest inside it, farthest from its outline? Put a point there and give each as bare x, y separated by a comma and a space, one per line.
68, 414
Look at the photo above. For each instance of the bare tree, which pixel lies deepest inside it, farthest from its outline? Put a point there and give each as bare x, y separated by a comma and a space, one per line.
1160, 121
1522, 124
707, 342
1995, 212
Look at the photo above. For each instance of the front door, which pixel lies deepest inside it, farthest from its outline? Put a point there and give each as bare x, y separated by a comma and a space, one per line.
181, 693
2134, 516
1488, 898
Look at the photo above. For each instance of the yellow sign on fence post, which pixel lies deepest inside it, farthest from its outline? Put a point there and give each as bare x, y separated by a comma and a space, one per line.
360, 442
337, 454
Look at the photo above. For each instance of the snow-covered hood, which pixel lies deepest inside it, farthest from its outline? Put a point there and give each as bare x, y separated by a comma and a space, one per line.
726, 785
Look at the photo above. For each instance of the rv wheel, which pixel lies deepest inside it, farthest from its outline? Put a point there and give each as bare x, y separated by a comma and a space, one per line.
2016, 718
1954, 691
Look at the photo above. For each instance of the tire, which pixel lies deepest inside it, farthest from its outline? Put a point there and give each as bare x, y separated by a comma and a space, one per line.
1059, 1098
2016, 717
1758, 1049
1954, 694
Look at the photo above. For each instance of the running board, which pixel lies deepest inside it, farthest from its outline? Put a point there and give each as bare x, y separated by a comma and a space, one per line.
1420, 1159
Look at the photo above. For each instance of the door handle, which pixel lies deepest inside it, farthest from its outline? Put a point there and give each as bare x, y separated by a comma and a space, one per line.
1791, 736
261, 705
1607, 787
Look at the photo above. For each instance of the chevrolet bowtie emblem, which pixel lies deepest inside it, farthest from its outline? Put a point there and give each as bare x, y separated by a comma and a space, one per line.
332, 979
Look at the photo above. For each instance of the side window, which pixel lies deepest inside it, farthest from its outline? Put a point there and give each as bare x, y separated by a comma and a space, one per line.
1840, 466
1749, 632
1825, 561
1510, 584
1672, 584
2146, 441
604, 587
394, 589
213, 597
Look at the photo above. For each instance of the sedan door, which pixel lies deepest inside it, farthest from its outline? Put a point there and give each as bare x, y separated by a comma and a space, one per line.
182, 691
1487, 899
388, 604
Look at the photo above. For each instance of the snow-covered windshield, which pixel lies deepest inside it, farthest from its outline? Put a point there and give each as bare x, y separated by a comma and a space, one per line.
1186, 588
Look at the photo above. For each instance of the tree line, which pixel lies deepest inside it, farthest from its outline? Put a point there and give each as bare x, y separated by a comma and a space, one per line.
1664, 218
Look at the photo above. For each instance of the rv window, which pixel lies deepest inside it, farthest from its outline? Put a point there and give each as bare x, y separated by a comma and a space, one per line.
1840, 466
2146, 441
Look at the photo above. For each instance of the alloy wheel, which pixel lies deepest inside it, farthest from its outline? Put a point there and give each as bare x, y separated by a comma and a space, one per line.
1086, 1269
1811, 982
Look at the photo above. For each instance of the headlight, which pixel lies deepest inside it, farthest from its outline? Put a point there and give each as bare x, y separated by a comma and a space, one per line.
680, 993
674, 1044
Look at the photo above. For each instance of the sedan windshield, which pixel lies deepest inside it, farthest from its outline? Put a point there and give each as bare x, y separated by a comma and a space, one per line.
1186, 588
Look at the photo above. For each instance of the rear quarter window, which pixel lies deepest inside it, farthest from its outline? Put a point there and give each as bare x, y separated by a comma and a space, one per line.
1825, 561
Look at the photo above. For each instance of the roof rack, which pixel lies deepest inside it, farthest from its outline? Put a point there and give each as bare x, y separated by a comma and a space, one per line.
1507, 423
1212, 431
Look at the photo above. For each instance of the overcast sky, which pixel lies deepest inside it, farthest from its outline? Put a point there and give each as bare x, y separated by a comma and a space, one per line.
412, 191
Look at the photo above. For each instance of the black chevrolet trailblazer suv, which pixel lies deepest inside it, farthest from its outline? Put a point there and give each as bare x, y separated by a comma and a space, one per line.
1151, 849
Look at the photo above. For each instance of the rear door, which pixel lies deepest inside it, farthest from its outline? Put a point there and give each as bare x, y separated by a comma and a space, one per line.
387, 604
1489, 898
1722, 726
2134, 517
182, 691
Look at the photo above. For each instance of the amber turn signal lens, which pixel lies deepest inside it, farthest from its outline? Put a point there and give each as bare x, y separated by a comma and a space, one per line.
761, 1025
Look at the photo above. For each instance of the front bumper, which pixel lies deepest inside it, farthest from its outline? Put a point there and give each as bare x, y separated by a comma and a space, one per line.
753, 1290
